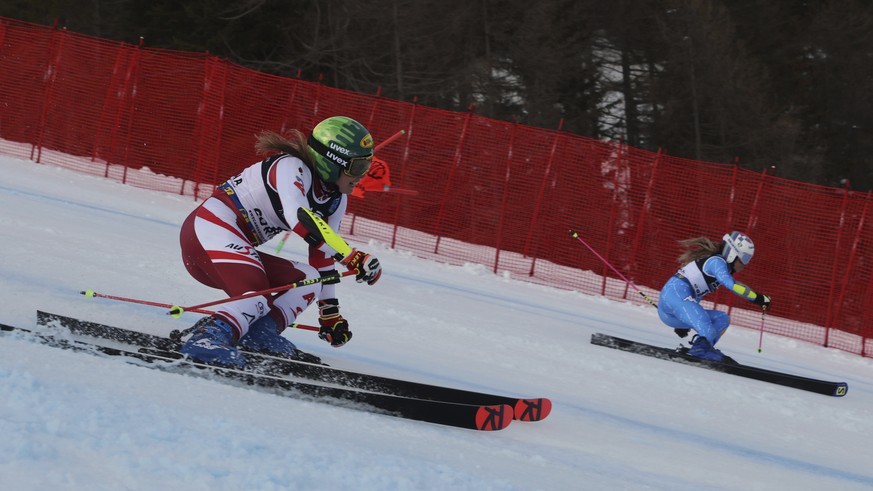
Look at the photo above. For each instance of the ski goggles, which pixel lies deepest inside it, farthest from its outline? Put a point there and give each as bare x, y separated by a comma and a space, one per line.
358, 166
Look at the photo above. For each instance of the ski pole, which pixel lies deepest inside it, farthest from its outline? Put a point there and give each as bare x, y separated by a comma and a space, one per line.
93, 294
176, 310
575, 235
393, 137
282, 242
761, 336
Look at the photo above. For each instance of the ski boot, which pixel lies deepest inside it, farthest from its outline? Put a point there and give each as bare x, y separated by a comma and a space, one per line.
264, 337
702, 348
212, 343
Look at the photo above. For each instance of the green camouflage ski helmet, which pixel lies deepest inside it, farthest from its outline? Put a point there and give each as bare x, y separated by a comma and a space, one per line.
340, 144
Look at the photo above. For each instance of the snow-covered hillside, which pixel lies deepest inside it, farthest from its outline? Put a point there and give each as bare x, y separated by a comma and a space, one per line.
71, 421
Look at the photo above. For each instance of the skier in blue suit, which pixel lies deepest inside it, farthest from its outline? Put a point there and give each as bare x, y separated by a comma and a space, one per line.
706, 266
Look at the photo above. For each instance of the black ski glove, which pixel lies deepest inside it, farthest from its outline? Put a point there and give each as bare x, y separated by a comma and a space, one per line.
334, 329
762, 301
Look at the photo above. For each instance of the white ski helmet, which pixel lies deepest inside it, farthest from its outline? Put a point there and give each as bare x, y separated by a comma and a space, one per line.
738, 246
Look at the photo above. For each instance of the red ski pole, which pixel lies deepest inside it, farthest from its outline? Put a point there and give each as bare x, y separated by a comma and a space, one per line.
575, 235
177, 311
93, 294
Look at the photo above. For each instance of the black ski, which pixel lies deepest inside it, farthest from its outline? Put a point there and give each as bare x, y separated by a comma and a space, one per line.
836, 389
469, 416
524, 409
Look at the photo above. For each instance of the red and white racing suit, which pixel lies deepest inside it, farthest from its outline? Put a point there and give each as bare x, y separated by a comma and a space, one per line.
219, 240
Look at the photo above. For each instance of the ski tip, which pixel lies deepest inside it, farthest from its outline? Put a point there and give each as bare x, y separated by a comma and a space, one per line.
492, 418
841, 389
532, 409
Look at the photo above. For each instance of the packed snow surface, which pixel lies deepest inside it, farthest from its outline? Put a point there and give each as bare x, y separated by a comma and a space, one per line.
74, 421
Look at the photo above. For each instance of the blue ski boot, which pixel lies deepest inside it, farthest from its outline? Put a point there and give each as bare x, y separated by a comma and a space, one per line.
264, 337
213, 343
702, 348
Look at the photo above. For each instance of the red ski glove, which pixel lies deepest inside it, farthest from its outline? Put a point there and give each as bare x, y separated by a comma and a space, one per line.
369, 269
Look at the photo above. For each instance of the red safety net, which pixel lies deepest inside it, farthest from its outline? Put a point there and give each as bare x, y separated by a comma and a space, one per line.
489, 192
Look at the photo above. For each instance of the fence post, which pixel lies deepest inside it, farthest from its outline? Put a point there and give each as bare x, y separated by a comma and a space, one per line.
317, 103
409, 129
375, 106
732, 200
56, 45
112, 92
507, 179
129, 110
209, 125
849, 264
447, 188
644, 213
616, 182
368, 125
867, 305
829, 317
539, 202
752, 222
729, 218
123, 107
291, 101
753, 213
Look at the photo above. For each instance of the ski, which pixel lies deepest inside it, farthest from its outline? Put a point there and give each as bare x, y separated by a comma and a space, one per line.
836, 389
490, 417
524, 409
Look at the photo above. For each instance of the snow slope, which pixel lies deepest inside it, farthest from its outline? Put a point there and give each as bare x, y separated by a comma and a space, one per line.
71, 421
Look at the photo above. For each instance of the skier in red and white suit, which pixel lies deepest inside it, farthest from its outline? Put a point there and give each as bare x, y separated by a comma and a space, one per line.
220, 237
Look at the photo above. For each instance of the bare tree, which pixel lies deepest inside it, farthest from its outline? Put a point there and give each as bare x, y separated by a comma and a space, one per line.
838, 92
714, 96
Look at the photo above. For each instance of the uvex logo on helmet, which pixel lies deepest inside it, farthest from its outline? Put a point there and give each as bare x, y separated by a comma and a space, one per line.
339, 148
336, 158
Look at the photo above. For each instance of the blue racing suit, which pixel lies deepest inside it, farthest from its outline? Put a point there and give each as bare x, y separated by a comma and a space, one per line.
679, 303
